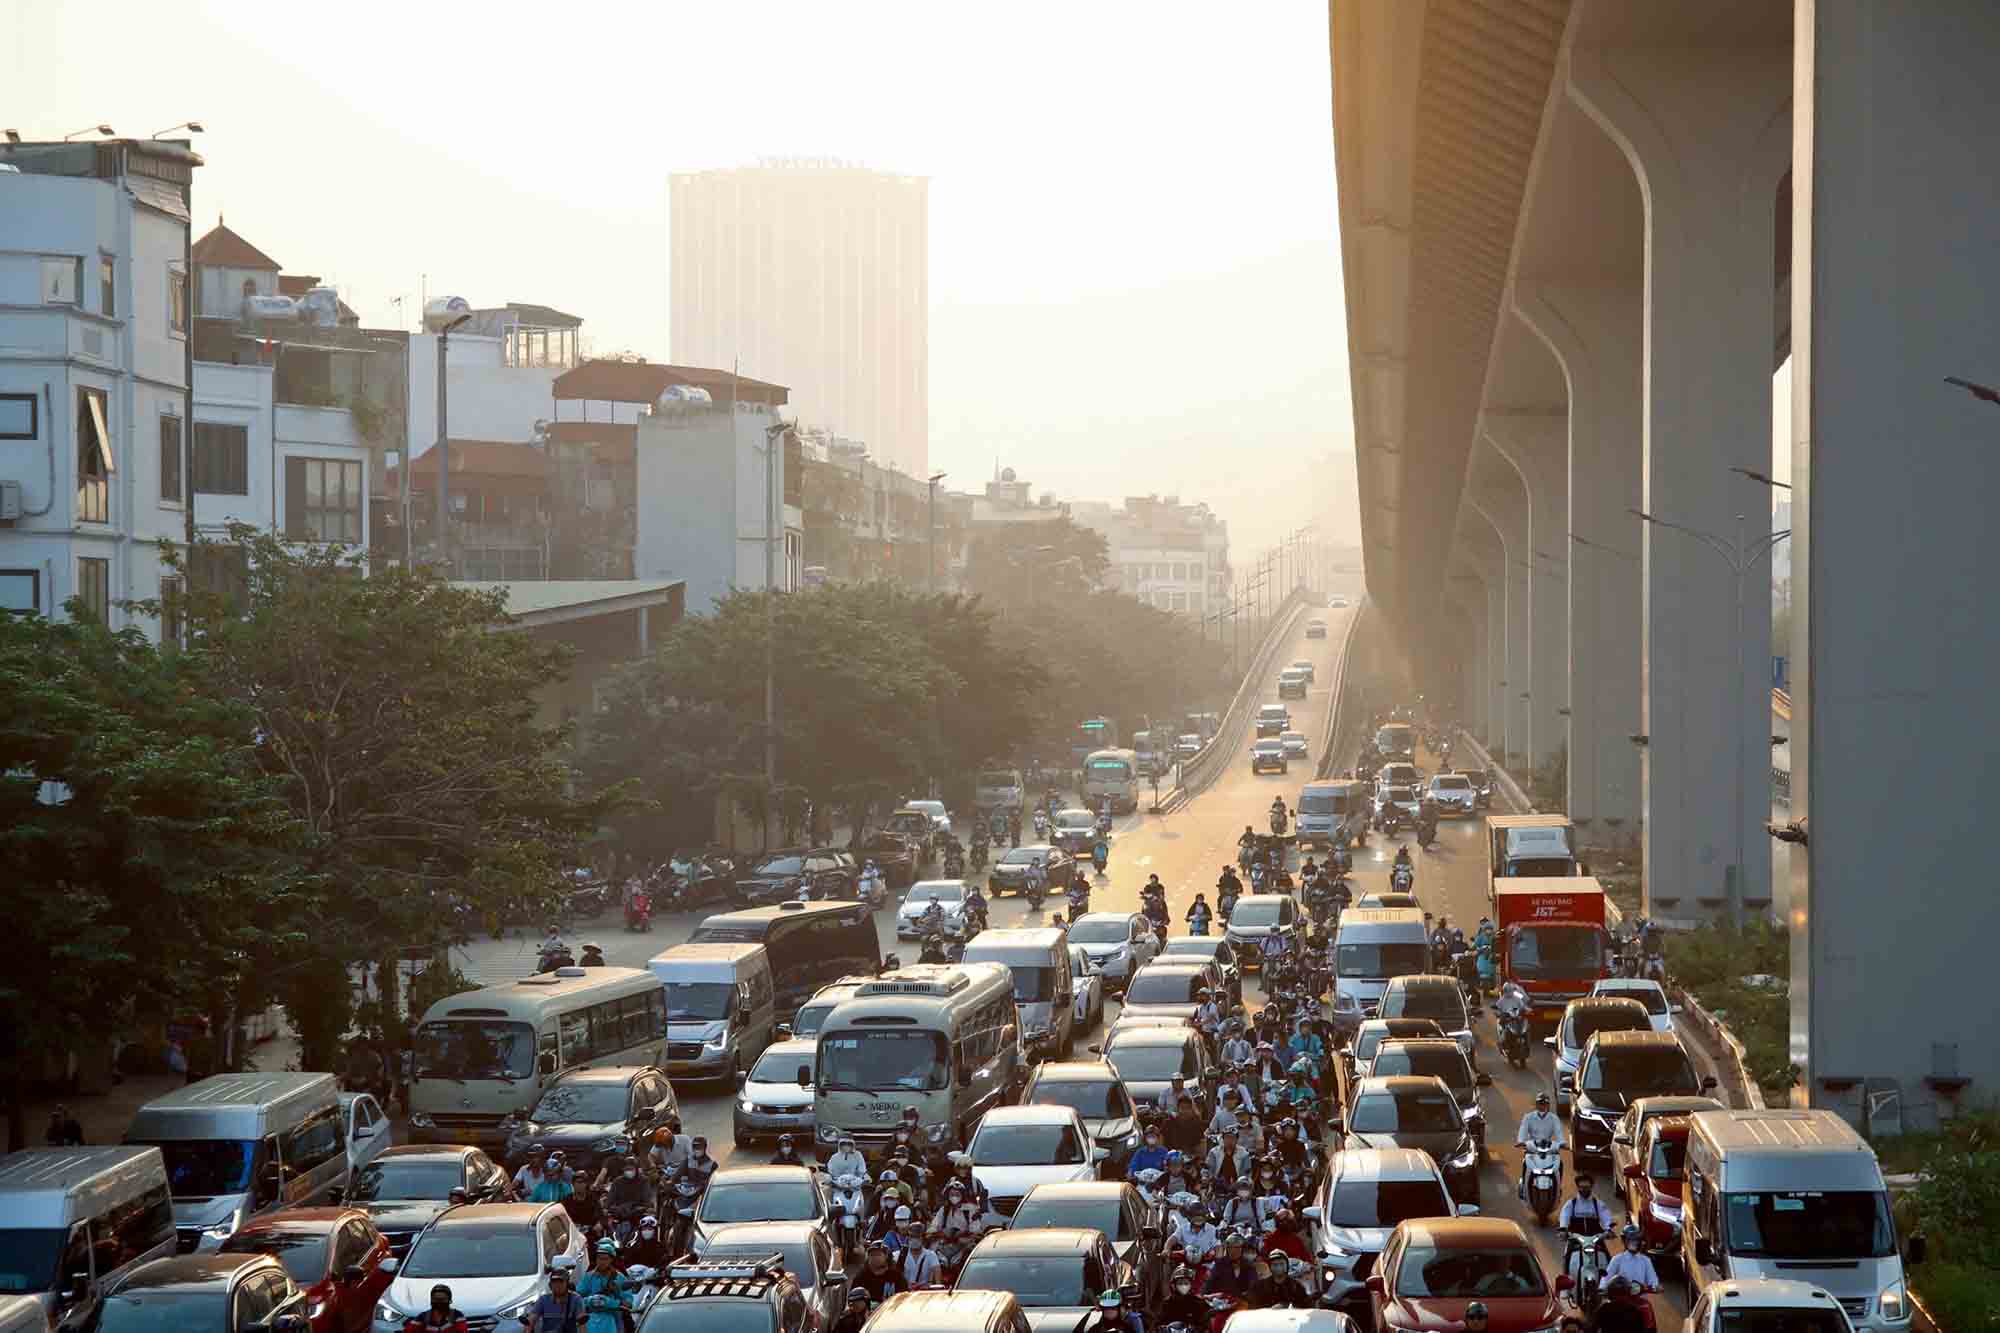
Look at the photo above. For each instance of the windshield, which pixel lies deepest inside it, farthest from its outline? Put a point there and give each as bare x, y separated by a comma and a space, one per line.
473, 1250
1198, 946
1582, 1023
1443, 1003
1736, 1319
807, 1022
1075, 819
1540, 867
1162, 986
1376, 962
720, 1316
1105, 930
1640, 1071
1319, 803
1026, 1145
1001, 779
1392, 740
699, 1001
1467, 1274
1021, 856
1450, 782
582, 1104
1652, 997
1668, 1157
204, 1168
858, 1061
761, 1201
1149, 1063
1554, 952
1032, 985
1035, 1282
1104, 1213
782, 1067
150, 1310
1255, 914
303, 1253
1293, 737
780, 865
1424, 1112
406, 1178
1424, 1062
1384, 1203
475, 1049
1092, 1101
942, 893
28, 1259
1809, 1224
1268, 746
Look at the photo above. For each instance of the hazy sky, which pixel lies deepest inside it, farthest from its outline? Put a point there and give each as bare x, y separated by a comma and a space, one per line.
1134, 273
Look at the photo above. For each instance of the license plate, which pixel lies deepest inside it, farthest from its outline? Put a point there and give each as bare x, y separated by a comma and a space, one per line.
1548, 1182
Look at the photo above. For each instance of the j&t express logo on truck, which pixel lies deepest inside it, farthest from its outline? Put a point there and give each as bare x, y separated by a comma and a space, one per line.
1555, 909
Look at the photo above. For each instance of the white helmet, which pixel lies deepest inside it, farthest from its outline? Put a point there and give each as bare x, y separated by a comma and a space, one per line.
903, 1214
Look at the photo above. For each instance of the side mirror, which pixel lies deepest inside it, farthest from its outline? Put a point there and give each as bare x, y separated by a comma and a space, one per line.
1549, 1042
1376, 1286
805, 1077
1708, 1083
742, 1077
1704, 1251
1913, 1250
388, 1264
352, 1274
1634, 1171
1484, 1080
1674, 1009
1311, 1212
545, 1063
1565, 1282
1100, 1154
1468, 1210
1096, 1050
337, 1194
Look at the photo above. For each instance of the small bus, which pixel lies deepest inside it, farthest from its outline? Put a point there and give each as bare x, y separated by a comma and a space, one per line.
483, 1056
808, 944
1113, 774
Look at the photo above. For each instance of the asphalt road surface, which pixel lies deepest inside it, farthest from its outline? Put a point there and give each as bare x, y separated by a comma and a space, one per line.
1187, 849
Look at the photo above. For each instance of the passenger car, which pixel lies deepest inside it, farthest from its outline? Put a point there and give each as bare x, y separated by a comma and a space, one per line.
1172, 988
405, 1189
1267, 753
1187, 745
1291, 683
1618, 1068
1054, 1272
1304, 665
806, 1022
1647, 992
1652, 1184
1631, 1127
893, 854
586, 1112
1294, 743
1440, 1058
1017, 1148
807, 1255
1760, 1303
918, 828
1372, 1033
1363, 1195
491, 1255
1431, 996
1074, 829
1094, 1091
368, 1128
783, 874
1089, 989
939, 816
762, 1194
1315, 628
1136, 1229
1582, 1018
1148, 1058
1117, 943
334, 1255
1421, 1113
1433, 1268
1213, 948
1258, 915
233, 1293
1272, 719
726, 1296
948, 894
770, 1099
1452, 794
1009, 874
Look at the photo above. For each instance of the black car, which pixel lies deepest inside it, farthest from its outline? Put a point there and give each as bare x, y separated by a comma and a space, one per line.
696, 877
1618, 1068
1094, 1091
728, 1296
895, 854
1420, 1113
591, 1113
231, 1293
404, 1189
1439, 1057
783, 874
1268, 753
1009, 874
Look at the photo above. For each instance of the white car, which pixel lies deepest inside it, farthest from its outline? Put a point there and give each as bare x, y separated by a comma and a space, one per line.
1776, 1302
1089, 990
1017, 1148
368, 1128
493, 1256
1647, 992
771, 1100
1453, 794
1117, 944
940, 817
1294, 743
948, 894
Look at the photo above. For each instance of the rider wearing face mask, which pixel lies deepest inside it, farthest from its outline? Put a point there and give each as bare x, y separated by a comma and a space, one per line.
441, 1315
1182, 1305
1280, 1290
646, 1247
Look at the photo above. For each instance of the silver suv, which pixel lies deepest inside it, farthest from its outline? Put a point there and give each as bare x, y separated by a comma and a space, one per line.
1367, 1191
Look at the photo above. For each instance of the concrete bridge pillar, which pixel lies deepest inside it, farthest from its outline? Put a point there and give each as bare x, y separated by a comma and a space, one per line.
1536, 445
1595, 331
1468, 610
1495, 490
1896, 184
1478, 545
1707, 129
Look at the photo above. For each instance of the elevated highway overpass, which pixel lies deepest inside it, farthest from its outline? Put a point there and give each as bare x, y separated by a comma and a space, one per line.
1578, 238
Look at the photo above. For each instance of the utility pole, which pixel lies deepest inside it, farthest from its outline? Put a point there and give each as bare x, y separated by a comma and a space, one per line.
773, 435
439, 319
935, 478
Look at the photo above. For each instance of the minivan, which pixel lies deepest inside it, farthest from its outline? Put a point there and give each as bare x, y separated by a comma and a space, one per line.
1794, 1194
1373, 946
237, 1145
720, 1007
1333, 814
1044, 990
75, 1221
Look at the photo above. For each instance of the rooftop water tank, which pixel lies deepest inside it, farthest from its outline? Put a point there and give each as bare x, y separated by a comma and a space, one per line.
270, 309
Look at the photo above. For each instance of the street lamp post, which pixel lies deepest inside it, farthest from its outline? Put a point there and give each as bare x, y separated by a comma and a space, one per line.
1740, 558
932, 483
441, 316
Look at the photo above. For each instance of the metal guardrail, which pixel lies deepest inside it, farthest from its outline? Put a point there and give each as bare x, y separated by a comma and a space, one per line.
1195, 774
1330, 742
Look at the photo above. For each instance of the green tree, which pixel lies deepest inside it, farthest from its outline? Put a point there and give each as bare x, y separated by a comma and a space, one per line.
1018, 565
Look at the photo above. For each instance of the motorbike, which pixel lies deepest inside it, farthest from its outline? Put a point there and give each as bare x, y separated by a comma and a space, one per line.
1225, 907
1104, 822
954, 863
1198, 923
1402, 877
1034, 893
1100, 855
1588, 1252
1426, 835
1041, 827
1544, 1168
1277, 823
639, 913
978, 857
849, 1207
1078, 898
874, 890
1514, 1039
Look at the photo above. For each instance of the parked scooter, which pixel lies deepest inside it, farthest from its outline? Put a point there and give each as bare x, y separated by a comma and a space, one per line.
639, 912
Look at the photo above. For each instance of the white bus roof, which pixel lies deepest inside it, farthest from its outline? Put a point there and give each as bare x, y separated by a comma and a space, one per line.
1782, 1150
565, 983
37, 1185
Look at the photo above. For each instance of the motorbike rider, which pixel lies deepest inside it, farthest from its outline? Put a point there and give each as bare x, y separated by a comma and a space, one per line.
1111, 1316
1244, 846
1197, 1234
554, 1185
631, 1195
873, 885
958, 1217
593, 956
919, 1264
1237, 1048
1245, 1211
787, 1153
1207, 1014
442, 1315
1234, 1273
1187, 1130
1632, 1264
959, 1165
604, 1292
1291, 1149
700, 1166
1198, 914
1586, 1219
1540, 1123
975, 908
1038, 876
557, 1310
647, 1247
933, 950
879, 1278
1279, 814
855, 1317
1441, 941
1286, 1237
1180, 1177
1621, 1309
1183, 1306
1155, 910
1229, 1162
846, 1160
1280, 1290
1153, 1156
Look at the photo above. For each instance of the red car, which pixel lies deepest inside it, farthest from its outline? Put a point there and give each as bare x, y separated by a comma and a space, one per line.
1653, 1184
334, 1255
1433, 1267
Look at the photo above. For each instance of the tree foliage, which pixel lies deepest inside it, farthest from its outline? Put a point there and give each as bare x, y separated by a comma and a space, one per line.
1023, 565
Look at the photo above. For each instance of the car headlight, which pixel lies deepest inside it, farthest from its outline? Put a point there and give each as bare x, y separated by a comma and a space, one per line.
1464, 1158
1667, 1213
386, 1313
827, 1134
515, 1313
1895, 1300
718, 1044
226, 1228
745, 1105
1132, 1140
316, 1309
936, 1133
422, 1120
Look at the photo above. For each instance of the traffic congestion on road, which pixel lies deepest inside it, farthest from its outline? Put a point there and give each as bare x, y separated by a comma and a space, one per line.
1254, 1060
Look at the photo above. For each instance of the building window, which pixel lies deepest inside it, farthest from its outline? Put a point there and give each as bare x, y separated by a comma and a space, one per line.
93, 458
221, 571
221, 459
93, 588
107, 286
21, 590
20, 418
177, 301
323, 500
62, 279
173, 608
172, 480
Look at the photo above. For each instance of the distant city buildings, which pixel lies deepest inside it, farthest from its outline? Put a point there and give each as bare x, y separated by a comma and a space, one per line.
814, 274
1172, 555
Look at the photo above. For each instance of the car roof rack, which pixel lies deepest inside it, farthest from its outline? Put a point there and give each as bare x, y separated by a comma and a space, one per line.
734, 1270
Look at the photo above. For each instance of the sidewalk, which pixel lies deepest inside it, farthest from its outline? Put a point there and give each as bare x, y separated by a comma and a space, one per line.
106, 1114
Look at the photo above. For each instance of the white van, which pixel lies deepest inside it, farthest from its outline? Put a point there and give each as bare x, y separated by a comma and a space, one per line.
1044, 989
1794, 1194
720, 1007
238, 1145
73, 1221
1373, 947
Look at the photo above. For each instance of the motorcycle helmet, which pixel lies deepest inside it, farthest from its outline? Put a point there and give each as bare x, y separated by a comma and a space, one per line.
1541, 1101
1175, 1161
784, 1142
1110, 1299
858, 1296
1630, 1235
903, 1214
607, 1246
886, 1178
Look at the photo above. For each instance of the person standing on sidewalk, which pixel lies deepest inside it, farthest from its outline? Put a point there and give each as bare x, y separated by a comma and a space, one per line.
65, 1131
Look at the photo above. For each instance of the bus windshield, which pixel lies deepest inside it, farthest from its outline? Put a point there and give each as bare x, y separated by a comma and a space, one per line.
475, 1049
862, 1061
